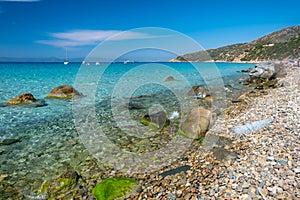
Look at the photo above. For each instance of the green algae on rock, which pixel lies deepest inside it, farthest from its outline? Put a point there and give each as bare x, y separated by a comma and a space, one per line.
60, 186
113, 188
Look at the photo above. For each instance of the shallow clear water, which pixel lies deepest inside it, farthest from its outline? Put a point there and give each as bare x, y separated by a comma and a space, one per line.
48, 141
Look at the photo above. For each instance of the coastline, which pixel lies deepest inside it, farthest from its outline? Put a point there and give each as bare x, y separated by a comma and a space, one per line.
264, 164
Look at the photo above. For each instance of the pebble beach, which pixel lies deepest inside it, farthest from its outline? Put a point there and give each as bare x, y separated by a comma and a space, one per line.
263, 164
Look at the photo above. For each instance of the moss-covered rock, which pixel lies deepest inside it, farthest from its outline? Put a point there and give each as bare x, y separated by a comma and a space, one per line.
60, 186
113, 188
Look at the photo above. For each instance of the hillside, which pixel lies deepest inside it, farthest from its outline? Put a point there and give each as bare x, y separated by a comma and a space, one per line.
279, 45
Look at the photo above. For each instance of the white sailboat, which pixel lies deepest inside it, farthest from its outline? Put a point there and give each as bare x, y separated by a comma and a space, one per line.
67, 60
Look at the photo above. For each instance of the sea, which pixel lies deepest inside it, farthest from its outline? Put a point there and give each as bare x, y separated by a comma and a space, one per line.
38, 143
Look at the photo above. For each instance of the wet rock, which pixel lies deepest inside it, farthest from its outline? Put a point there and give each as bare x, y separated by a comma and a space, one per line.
158, 119
9, 141
64, 92
134, 106
170, 78
26, 100
199, 91
197, 123
60, 186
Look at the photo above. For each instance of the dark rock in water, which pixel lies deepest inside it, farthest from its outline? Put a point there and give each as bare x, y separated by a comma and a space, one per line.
170, 78
247, 70
199, 91
64, 92
27, 100
134, 105
61, 185
223, 154
159, 118
197, 123
9, 141
176, 171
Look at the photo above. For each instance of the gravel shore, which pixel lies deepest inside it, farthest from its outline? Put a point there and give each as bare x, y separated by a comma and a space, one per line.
263, 164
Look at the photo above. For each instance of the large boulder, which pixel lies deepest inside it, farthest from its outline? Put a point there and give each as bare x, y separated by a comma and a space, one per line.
268, 70
26, 100
198, 121
64, 92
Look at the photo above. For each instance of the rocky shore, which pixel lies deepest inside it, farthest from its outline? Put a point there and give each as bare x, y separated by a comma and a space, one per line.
263, 164
251, 152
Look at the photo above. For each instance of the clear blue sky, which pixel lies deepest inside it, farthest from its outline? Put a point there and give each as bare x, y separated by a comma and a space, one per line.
42, 28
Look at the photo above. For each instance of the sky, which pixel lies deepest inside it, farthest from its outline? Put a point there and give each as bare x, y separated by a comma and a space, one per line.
45, 28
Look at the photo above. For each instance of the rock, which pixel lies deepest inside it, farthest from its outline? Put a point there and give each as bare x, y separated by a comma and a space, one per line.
64, 92
268, 70
224, 154
158, 119
175, 171
197, 123
199, 91
297, 170
171, 196
248, 128
22, 99
9, 141
170, 78
60, 186
26, 100
113, 188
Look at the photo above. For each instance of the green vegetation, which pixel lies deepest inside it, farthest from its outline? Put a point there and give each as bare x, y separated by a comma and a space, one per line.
283, 44
113, 188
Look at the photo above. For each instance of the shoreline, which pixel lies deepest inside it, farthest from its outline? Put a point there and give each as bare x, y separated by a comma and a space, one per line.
267, 162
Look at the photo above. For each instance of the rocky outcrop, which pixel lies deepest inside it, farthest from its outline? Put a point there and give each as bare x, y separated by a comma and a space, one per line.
265, 75
26, 100
198, 122
64, 92
268, 70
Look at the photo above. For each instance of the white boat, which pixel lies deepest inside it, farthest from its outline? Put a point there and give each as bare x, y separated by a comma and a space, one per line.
128, 61
67, 60
97, 63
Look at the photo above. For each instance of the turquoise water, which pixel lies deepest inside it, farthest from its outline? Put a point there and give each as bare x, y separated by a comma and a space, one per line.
47, 140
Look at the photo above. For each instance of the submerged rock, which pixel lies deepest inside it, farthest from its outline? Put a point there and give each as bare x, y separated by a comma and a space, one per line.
199, 91
197, 123
158, 119
64, 92
61, 185
170, 78
9, 141
25, 100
